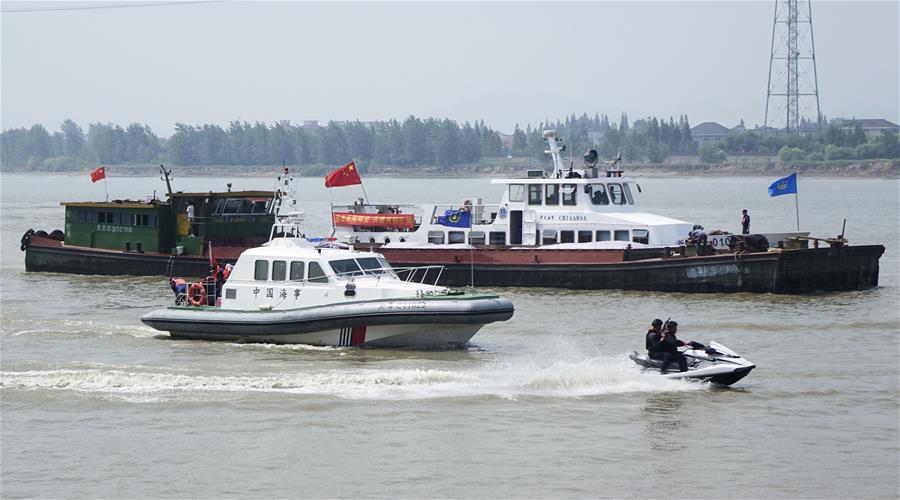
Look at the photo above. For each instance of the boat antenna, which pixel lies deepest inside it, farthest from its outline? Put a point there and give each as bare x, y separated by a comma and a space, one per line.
166, 176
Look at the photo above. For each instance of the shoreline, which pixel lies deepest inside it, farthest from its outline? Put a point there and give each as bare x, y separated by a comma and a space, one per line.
883, 169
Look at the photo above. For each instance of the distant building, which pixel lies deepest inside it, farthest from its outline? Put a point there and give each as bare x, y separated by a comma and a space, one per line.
871, 126
310, 124
710, 132
506, 140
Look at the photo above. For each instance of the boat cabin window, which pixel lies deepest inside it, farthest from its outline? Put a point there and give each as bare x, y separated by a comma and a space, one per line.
476, 237
534, 194
552, 194
456, 237
220, 205
640, 236
234, 207
436, 237
82, 216
344, 268
603, 236
279, 270
372, 265
261, 273
628, 196
615, 193
598, 194
316, 274
497, 238
260, 207
548, 237
567, 236
568, 194
517, 192
584, 236
297, 270
139, 220
621, 235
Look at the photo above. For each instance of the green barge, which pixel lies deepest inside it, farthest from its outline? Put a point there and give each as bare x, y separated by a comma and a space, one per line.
153, 237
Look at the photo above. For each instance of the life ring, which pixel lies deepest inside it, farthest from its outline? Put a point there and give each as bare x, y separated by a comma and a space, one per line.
26, 239
197, 294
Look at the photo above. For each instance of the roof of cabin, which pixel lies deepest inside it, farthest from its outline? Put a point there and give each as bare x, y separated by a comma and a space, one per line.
113, 204
225, 194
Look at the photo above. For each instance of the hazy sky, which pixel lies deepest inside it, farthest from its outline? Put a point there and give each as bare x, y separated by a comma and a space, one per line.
504, 62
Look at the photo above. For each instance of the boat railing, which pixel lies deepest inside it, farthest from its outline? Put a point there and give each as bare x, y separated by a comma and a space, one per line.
481, 214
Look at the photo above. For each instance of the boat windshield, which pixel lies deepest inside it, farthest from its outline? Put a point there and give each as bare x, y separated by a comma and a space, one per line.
345, 267
374, 265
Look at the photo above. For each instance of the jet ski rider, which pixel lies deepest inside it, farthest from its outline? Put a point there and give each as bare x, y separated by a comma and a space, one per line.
666, 347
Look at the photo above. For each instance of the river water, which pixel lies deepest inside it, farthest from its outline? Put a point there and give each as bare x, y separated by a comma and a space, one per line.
94, 404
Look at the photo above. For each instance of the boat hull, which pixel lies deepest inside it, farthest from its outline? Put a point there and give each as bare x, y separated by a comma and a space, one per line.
790, 271
49, 255
429, 322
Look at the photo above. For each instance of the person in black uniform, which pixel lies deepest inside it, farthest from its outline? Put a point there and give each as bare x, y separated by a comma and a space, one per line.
653, 336
667, 348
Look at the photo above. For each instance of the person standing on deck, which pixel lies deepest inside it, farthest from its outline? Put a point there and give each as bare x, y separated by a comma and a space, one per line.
745, 222
190, 218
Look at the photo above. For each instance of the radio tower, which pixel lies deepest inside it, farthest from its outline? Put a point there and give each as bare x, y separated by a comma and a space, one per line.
792, 101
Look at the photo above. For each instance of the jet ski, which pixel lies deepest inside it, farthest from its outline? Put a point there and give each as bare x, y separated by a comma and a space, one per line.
714, 363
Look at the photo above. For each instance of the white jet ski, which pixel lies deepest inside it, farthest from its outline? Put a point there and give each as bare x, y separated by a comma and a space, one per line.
714, 363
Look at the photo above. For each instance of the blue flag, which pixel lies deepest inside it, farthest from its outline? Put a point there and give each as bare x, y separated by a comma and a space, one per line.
785, 185
455, 218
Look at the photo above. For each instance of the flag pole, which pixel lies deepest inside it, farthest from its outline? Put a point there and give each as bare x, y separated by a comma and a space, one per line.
331, 204
796, 198
106, 186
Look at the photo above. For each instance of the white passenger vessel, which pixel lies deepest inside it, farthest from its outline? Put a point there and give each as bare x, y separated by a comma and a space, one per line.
293, 291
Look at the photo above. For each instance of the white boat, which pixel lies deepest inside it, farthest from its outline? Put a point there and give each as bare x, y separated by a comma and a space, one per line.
581, 208
293, 291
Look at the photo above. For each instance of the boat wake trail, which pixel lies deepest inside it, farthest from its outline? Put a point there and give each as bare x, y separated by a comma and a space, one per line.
507, 380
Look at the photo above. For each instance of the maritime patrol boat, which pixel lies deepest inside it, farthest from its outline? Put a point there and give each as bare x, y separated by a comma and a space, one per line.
291, 290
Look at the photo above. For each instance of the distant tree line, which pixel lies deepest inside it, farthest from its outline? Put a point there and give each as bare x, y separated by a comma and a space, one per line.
412, 142
841, 140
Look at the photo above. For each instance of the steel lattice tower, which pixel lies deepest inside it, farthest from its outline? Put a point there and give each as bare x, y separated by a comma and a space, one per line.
793, 91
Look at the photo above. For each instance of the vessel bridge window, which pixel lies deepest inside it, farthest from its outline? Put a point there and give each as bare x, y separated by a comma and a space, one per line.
584, 236
598, 194
568, 192
436, 237
235, 206
82, 216
316, 274
517, 192
497, 238
604, 236
261, 272
567, 236
456, 237
374, 265
628, 197
476, 237
552, 195
535, 194
616, 194
621, 235
345, 268
297, 270
640, 236
279, 270
548, 237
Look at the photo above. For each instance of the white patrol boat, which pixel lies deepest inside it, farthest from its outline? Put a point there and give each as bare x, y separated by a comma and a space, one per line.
569, 208
293, 291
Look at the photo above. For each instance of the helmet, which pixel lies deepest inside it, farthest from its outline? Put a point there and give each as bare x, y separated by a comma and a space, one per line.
698, 226
657, 323
673, 324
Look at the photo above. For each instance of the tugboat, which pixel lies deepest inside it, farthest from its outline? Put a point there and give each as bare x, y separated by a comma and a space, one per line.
578, 229
152, 236
290, 290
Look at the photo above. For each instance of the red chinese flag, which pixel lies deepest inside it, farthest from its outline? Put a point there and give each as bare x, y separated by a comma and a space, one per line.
97, 174
344, 176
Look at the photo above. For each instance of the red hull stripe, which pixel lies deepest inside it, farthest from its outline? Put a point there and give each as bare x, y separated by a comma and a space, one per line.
358, 335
